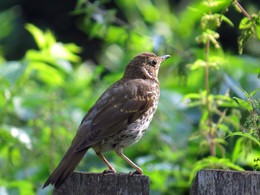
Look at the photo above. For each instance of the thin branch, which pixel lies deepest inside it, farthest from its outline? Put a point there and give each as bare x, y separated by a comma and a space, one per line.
207, 68
242, 9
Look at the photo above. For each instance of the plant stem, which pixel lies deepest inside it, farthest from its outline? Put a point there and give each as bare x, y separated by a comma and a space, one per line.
207, 71
242, 9
209, 121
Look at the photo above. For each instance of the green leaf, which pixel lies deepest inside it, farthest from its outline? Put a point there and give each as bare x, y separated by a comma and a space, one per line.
38, 35
243, 103
224, 128
97, 30
198, 64
258, 31
228, 21
47, 74
49, 38
116, 34
245, 23
7, 20
236, 153
59, 51
213, 162
247, 135
225, 101
249, 28
217, 4
254, 92
192, 96
244, 92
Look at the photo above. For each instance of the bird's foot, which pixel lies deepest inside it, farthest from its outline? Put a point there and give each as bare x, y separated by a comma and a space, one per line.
109, 171
135, 173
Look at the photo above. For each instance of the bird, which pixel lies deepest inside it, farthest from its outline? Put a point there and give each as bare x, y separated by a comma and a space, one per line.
118, 119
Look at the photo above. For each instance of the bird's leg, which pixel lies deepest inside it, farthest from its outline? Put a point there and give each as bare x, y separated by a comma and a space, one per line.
138, 169
111, 169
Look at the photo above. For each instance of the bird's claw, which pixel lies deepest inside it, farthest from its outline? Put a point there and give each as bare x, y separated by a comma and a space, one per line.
135, 173
108, 171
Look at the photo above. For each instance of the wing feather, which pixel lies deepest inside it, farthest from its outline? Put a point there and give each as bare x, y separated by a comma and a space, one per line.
116, 108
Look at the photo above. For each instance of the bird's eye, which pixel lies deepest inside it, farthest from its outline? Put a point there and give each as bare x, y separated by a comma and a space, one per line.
153, 62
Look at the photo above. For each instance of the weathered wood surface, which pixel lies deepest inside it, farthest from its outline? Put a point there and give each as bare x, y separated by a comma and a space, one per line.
223, 182
103, 184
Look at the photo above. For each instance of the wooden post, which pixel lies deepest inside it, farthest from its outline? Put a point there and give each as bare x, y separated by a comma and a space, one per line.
223, 182
98, 184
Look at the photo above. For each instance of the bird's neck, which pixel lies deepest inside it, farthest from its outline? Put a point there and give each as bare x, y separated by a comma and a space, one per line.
141, 73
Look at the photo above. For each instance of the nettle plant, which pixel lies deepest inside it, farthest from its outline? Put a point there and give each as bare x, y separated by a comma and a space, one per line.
223, 117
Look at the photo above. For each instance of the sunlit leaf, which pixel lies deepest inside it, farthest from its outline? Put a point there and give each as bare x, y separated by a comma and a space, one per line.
58, 50
192, 96
245, 23
116, 34
38, 35
198, 64
48, 74
243, 103
49, 38
217, 3
258, 31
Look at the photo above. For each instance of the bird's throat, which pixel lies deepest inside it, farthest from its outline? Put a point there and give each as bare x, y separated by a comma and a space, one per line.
149, 75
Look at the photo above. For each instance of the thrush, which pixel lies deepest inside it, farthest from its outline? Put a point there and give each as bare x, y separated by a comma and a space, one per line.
118, 119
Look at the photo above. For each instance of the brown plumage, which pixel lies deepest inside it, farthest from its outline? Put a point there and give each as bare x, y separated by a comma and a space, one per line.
119, 117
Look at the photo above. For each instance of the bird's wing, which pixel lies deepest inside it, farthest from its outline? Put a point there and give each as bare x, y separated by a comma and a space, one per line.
117, 107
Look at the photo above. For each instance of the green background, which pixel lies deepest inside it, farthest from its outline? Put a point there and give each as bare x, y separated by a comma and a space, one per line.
57, 57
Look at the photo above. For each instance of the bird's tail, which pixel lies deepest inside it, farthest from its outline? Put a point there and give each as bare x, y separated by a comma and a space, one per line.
65, 168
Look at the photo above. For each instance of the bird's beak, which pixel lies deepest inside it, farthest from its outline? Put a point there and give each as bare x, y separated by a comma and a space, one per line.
165, 57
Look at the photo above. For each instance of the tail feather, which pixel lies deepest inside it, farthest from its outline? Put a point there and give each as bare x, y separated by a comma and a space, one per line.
65, 168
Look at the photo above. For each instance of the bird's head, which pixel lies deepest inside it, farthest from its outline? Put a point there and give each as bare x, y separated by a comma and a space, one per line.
144, 66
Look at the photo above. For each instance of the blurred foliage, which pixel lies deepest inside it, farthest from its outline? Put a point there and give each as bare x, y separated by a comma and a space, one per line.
208, 115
